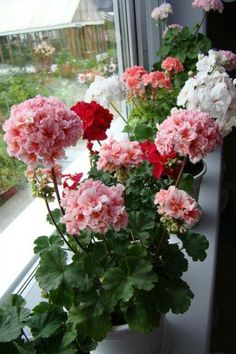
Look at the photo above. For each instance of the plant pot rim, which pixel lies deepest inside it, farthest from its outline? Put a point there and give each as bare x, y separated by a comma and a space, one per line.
203, 171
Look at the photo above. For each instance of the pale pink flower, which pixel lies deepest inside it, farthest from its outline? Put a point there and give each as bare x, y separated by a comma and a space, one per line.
94, 206
176, 26
39, 130
115, 155
208, 5
188, 133
228, 59
173, 65
161, 12
177, 204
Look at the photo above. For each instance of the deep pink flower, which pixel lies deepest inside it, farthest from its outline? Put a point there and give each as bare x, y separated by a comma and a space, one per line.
208, 5
177, 204
94, 206
119, 154
188, 133
39, 130
172, 65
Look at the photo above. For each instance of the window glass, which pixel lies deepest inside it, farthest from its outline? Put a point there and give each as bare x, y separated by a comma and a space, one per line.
59, 58
56, 49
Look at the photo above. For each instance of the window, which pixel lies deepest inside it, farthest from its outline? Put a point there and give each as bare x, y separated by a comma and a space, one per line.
57, 56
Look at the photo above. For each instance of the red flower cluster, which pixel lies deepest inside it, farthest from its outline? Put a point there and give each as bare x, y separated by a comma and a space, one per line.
159, 162
96, 119
71, 181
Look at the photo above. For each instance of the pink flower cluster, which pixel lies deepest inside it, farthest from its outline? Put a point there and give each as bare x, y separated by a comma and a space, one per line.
137, 78
188, 133
228, 59
94, 206
208, 5
177, 204
172, 65
115, 155
132, 78
39, 129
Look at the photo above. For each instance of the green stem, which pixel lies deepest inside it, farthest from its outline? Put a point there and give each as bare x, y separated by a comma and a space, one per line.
161, 242
125, 120
107, 246
54, 179
58, 229
176, 185
200, 24
78, 243
138, 109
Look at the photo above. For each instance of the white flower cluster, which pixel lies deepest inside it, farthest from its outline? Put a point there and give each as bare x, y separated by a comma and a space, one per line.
44, 49
106, 91
161, 12
212, 91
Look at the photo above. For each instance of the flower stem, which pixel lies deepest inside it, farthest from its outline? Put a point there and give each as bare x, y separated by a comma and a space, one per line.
54, 179
125, 120
181, 171
107, 246
161, 242
58, 229
78, 243
137, 107
200, 24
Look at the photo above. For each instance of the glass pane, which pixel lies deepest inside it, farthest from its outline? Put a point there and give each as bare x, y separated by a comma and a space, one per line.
59, 58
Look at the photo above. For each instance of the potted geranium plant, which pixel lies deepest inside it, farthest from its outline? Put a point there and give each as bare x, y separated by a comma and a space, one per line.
114, 225
111, 260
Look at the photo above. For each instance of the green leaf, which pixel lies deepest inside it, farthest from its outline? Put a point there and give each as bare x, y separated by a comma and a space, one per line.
179, 295
186, 183
62, 296
95, 327
143, 132
133, 273
56, 213
195, 245
13, 317
141, 314
174, 261
46, 319
65, 344
24, 349
8, 348
45, 243
53, 270
140, 224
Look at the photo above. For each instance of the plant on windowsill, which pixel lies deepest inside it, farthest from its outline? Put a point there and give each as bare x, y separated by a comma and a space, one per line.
111, 259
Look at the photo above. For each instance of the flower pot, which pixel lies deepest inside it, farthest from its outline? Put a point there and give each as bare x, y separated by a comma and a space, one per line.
123, 340
197, 180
